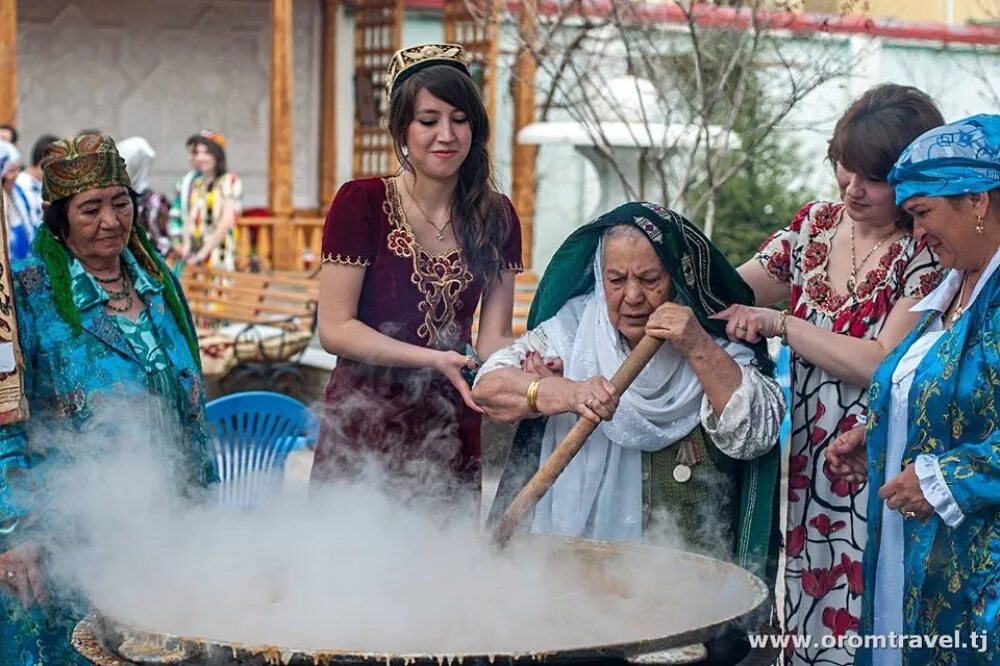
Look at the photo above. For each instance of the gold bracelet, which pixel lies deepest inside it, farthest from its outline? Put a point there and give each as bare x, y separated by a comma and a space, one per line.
783, 327
532, 394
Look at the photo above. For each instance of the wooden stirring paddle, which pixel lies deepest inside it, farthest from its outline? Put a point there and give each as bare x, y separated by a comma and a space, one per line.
550, 470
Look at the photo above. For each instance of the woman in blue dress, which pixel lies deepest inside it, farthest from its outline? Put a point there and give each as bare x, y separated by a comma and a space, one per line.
933, 436
101, 323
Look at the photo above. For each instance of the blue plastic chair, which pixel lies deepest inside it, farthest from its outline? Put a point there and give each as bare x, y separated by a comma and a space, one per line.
252, 434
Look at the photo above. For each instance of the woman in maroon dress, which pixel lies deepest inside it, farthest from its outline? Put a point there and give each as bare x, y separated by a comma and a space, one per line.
405, 261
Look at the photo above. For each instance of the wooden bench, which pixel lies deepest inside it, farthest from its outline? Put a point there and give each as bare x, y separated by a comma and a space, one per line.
249, 317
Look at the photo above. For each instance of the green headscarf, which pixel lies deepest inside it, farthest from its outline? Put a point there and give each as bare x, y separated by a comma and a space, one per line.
706, 282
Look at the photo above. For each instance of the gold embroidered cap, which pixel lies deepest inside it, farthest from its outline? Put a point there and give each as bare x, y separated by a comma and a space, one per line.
407, 62
85, 162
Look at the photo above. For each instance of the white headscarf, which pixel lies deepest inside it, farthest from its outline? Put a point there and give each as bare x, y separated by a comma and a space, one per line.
138, 156
599, 494
9, 154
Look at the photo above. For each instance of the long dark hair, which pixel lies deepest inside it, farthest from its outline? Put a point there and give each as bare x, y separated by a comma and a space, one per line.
217, 151
484, 224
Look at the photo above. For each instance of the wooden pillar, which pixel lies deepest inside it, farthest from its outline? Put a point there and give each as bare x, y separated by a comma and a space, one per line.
378, 31
523, 157
8, 61
475, 25
279, 171
328, 105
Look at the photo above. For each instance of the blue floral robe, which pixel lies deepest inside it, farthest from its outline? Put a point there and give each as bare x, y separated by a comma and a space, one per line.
71, 378
952, 575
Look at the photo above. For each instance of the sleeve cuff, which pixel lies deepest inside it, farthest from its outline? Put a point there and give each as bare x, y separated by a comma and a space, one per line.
733, 416
512, 356
936, 490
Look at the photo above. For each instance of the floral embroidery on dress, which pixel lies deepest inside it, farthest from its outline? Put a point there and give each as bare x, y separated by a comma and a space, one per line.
440, 278
819, 292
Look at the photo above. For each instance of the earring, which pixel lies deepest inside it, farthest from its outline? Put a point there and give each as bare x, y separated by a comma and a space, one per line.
980, 227
405, 151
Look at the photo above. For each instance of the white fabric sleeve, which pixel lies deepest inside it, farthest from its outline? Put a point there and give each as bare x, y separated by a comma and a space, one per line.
512, 356
749, 425
936, 490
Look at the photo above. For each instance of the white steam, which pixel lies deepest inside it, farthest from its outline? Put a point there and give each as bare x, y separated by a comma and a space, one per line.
351, 569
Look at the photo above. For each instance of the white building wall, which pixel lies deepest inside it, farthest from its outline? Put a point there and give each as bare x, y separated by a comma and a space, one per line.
164, 69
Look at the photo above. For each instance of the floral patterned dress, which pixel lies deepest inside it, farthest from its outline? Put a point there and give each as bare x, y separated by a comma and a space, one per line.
205, 206
411, 419
827, 517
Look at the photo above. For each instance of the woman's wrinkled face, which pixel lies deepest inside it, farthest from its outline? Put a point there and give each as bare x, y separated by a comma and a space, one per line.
868, 201
100, 221
948, 227
204, 161
635, 284
438, 138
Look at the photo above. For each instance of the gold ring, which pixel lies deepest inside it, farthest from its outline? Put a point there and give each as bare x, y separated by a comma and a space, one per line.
742, 328
909, 514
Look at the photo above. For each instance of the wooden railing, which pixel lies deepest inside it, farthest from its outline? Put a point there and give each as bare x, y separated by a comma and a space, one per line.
255, 242
255, 251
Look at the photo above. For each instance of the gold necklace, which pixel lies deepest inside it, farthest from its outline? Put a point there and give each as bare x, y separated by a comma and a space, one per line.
959, 308
440, 230
852, 281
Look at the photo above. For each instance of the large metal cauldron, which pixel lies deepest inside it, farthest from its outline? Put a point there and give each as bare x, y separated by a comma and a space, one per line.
727, 595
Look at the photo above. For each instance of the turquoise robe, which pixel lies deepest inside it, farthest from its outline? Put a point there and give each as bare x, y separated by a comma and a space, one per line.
952, 575
71, 378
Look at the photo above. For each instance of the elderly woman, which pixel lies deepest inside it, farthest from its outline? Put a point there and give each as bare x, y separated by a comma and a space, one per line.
933, 435
692, 437
101, 324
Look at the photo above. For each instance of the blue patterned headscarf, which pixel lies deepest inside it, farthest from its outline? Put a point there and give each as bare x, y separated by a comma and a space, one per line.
958, 158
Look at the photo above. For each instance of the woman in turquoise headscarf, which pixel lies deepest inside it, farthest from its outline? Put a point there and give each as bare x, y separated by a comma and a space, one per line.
105, 334
933, 436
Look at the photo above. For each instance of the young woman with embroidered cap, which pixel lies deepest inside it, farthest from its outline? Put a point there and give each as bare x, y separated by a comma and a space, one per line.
406, 261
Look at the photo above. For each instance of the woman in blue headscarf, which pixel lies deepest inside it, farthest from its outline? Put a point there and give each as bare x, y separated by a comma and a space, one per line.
933, 436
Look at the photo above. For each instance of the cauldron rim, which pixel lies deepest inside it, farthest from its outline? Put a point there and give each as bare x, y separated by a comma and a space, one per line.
621, 649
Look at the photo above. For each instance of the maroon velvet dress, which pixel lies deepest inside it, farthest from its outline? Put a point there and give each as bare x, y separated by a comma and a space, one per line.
412, 419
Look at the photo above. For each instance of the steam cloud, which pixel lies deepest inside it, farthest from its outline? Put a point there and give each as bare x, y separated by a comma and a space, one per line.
353, 568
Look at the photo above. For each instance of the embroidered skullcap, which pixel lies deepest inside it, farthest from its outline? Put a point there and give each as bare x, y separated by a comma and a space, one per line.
215, 137
407, 62
962, 157
85, 162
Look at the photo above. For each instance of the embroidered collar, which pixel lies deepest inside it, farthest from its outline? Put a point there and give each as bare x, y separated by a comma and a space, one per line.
88, 292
